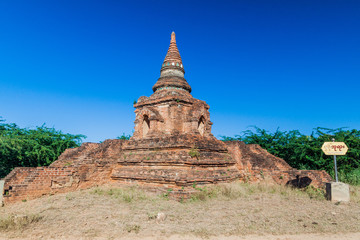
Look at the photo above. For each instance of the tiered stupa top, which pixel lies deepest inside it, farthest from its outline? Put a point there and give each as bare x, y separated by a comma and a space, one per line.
172, 70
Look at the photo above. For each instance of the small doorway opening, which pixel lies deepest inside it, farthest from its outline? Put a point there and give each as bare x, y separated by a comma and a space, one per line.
201, 125
146, 125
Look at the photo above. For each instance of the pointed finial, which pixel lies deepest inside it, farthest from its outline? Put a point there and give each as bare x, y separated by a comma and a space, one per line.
173, 56
172, 70
173, 40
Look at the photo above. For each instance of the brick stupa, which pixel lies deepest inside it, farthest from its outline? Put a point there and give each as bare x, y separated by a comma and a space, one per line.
172, 148
172, 144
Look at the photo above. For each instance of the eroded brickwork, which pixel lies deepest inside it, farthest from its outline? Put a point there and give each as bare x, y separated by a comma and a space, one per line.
76, 168
172, 147
27, 183
257, 164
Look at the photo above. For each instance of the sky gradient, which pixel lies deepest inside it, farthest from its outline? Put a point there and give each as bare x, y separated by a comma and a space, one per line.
78, 66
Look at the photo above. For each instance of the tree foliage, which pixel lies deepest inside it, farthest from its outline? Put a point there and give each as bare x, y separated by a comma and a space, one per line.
124, 137
22, 147
304, 151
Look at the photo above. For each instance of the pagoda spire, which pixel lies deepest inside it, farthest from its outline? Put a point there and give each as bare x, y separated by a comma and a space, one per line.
173, 55
172, 70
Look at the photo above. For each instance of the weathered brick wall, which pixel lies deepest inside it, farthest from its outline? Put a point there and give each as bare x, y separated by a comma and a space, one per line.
159, 164
175, 162
89, 165
257, 164
28, 183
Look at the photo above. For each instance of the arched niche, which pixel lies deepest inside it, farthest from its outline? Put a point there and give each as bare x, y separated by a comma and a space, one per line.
145, 125
201, 125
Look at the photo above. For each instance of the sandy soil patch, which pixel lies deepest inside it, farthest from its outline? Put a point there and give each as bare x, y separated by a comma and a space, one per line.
235, 211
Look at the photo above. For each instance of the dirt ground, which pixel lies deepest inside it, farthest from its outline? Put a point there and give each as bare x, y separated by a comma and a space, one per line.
314, 236
234, 211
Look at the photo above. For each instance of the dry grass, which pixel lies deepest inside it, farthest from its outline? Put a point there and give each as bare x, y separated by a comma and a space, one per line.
246, 190
227, 210
18, 222
355, 194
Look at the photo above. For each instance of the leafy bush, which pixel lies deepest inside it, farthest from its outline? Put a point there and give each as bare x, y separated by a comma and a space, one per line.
124, 137
194, 152
22, 147
351, 177
304, 151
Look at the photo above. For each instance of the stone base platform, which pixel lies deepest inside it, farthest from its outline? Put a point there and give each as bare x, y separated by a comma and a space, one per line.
337, 192
170, 164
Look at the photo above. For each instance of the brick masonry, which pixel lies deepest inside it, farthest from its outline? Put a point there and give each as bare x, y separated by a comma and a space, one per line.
166, 164
172, 147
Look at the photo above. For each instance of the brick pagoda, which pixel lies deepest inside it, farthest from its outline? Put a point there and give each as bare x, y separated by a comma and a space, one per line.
172, 144
172, 148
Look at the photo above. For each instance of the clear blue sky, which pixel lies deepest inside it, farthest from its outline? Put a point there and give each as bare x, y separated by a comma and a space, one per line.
79, 65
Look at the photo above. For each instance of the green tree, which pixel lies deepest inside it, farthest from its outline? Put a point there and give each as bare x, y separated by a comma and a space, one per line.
304, 151
22, 147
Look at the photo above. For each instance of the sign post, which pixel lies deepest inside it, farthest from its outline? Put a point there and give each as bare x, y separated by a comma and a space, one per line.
334, 148
335, 166
336, 177
336, 191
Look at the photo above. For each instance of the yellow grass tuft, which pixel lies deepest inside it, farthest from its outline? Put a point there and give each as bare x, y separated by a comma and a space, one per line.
18, 221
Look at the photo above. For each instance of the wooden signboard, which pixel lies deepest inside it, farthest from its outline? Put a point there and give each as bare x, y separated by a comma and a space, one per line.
334, 148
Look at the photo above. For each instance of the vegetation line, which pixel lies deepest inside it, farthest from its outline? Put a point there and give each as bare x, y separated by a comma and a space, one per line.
23, 147
304, 151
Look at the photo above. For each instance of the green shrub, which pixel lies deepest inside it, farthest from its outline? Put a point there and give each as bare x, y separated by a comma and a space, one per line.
194, 152
23, 147
351, 177
124, 137
304, 151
